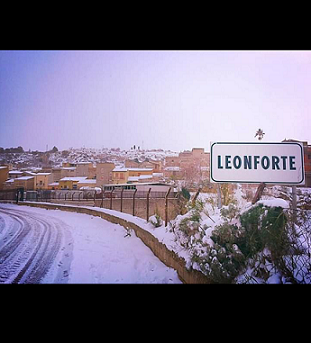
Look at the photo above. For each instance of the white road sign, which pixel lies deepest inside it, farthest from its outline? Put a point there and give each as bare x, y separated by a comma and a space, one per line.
277, 163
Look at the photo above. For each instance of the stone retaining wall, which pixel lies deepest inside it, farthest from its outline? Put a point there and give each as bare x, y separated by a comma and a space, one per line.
167, 256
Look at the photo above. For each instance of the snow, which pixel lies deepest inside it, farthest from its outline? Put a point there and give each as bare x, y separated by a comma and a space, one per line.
99, 270
74, 178
96, 251
276, 202
172, 168
25, 178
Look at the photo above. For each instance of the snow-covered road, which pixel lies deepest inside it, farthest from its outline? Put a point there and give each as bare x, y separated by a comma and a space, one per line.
53, 246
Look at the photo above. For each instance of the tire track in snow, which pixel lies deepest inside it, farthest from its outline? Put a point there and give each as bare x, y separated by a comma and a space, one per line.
28, 248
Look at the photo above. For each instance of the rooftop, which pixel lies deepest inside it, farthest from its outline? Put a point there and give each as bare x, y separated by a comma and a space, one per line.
82, 179
122, 169
25, 178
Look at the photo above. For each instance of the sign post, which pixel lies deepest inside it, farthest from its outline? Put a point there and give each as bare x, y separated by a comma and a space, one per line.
294, 203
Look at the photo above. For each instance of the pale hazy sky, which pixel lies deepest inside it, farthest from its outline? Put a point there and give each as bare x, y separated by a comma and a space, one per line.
154, 99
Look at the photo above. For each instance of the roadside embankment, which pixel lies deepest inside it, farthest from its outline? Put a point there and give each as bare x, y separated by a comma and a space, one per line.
168, 257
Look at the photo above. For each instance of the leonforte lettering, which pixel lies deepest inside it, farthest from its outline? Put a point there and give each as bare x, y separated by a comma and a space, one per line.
256, 162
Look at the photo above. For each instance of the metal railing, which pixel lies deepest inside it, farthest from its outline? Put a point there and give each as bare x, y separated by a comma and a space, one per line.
95, 198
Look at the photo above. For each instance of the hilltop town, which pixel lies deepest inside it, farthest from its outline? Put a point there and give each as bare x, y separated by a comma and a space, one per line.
88, 168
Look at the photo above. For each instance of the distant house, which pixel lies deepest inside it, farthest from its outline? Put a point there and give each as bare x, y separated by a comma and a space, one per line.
128, 175
13, 174
4, 175
76, 182
148, 163
42, 180
120, 175
53, 186
174, 173
26, 182
84, 169
79, 169
104, 173
191, 166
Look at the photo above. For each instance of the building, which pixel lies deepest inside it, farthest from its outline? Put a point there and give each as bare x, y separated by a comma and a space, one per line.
42, 180
104, 173
128, 175
120, 175
84, 169
26, 182
4, 175
307, 160
76, 182
13, 174
67, 172
53, 186
191, 166
174, 173
56, 173
157, 166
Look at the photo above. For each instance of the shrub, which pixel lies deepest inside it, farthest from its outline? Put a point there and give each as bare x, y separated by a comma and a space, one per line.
265, 227
156, 220
237, 246
229, 212
185, 193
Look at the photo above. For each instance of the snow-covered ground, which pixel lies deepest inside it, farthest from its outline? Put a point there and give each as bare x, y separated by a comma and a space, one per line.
85, 249
212, 217
99, 251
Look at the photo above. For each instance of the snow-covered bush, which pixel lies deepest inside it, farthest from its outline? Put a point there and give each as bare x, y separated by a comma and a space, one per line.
238, 246
156, 220
265, 227
189, 226
224, 260
244, 243
229, 212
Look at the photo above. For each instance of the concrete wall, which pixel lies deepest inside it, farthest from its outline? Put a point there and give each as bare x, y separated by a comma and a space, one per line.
168, 257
